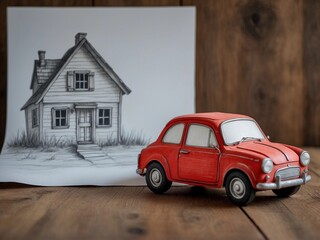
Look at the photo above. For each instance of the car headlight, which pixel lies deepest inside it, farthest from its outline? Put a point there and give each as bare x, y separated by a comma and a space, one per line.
267, 165
304, 158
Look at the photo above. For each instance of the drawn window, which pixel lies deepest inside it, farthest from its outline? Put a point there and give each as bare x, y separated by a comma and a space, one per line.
200, 136
104, 117
34, 115
60, 118
82, 81
174, 134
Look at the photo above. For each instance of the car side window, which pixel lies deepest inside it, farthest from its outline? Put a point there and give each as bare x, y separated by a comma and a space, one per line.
174, 134
201, 136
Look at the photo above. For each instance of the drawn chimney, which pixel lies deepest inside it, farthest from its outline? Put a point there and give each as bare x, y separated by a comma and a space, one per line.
42, 60
79, 37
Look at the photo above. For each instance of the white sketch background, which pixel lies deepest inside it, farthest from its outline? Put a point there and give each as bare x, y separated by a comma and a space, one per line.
151, 49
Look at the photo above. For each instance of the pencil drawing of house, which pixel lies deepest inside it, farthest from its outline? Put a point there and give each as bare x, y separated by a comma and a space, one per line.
78, 96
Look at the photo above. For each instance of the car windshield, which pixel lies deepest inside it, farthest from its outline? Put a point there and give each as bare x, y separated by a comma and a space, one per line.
240, 130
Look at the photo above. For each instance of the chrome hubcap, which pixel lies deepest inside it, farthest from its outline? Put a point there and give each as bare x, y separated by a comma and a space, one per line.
155, 177
237, 188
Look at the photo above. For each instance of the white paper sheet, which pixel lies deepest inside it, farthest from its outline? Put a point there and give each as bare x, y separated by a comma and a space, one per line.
150, 49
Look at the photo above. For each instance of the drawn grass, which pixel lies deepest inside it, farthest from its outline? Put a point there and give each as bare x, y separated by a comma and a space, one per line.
22, 140
131, 138
49, 144
32, 141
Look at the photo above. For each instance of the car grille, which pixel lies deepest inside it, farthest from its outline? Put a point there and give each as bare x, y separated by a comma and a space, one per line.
288, 173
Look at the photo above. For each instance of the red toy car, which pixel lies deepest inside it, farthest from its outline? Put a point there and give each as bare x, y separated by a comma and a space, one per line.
222, 150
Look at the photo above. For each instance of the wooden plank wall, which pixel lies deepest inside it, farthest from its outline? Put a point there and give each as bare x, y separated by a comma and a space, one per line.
311, 66
256, 57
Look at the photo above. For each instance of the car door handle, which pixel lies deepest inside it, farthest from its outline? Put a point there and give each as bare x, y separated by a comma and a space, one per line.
184, 151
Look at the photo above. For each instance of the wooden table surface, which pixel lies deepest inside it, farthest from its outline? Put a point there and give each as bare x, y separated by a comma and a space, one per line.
28, 212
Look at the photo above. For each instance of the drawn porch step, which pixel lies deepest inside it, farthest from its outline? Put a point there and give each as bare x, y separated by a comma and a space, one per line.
88, 147
93, 153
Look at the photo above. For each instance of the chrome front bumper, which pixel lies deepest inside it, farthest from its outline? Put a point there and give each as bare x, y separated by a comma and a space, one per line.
283, 184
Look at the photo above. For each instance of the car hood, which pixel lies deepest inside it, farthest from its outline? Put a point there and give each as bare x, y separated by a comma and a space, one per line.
278, 153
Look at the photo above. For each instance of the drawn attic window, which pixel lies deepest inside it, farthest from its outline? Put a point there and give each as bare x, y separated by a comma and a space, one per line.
34, 115
80, 80
104, 117
60, 118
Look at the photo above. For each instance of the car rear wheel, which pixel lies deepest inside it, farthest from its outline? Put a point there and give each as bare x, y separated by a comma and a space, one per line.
286, 192
239, 189
156, 178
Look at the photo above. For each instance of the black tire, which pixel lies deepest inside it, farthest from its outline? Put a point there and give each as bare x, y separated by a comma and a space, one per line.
239, 189
286, 192
156, 178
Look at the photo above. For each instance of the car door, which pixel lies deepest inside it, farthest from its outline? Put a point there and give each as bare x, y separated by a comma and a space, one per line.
199, 155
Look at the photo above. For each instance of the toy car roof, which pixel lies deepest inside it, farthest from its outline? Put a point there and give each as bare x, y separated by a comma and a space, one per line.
217, 117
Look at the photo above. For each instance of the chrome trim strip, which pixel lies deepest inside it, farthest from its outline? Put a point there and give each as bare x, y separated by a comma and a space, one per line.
239, 156
283, 184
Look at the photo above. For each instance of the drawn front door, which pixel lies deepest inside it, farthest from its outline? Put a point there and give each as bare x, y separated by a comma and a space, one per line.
84, 126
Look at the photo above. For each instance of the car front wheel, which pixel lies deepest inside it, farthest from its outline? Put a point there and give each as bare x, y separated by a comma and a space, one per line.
286, 192
156, 178
239, 189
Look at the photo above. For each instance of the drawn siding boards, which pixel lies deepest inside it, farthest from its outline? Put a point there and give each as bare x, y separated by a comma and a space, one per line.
105, 90
78, 98
48, 131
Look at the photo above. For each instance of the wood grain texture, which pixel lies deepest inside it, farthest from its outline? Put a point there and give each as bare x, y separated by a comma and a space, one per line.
315, 160
48, 3
120, 213
188, 2
28, 212
293, 218
143, 3
256, 65
254, 57
249, 60
311, 60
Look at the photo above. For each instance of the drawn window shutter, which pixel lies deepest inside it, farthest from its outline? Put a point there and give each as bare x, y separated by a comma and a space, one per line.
70, 81
67, 117
53, 118
91, 81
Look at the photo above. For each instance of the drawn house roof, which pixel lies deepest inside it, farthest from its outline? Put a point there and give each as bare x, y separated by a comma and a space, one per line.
41, 74
46, 75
